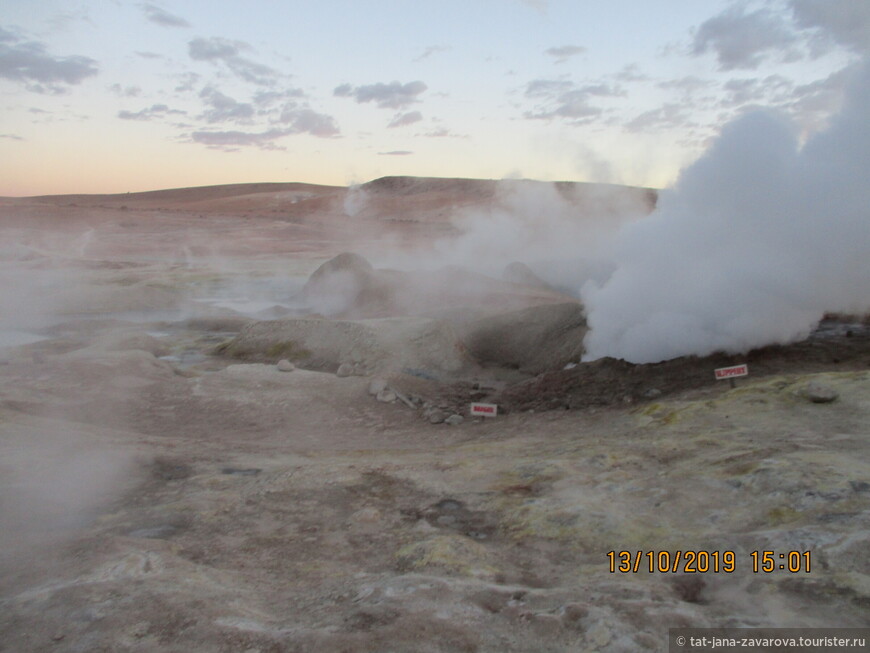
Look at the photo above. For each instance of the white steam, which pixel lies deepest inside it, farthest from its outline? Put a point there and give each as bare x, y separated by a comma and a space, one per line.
54, 479
562, 235
756, 242
532, 222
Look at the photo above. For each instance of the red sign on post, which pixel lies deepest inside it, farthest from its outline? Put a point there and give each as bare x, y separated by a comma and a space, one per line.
731, 372
486, 410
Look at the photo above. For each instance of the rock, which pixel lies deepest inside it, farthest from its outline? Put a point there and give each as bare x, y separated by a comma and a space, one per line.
366, 516
345, 262
405, 400
345, 284
131, 341
140, 629
453, 553
436, 416
533, 340
598, 635
376, 346
545, 625
652, 393
574, 612
156, 533
241, 471
454, 420
688, 588
387, 396
423, 526
820, 394
285, 366
518, 272
344, 370
376, 386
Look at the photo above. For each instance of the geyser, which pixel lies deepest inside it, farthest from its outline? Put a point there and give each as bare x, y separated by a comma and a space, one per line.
758, 240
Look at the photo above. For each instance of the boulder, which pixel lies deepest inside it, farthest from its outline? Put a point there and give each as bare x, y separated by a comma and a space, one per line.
533, 340
380, 346
376, 386
348, 286
345, 284
521, 273
820, 394
128, 341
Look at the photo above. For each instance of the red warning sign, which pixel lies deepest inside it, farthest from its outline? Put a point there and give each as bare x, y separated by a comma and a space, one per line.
731, 372
486, 410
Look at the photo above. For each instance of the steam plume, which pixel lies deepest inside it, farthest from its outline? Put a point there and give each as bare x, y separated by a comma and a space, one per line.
756, 242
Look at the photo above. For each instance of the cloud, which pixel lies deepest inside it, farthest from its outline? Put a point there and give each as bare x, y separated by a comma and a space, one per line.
770, 90
845, 22
65, 20
265, 99
154, 111
564, 52
148, 55
442, 132
187, 82
540, 5
294, 120
12, 137
230, 141
28, 62
403, 119
308, 121
548, 87
742, 41
394, 95
566, 100
396, 153
218, 50
667, 116
631, 73
214, 48
125, 91
432, 49
162, 17
223, 108
687, 86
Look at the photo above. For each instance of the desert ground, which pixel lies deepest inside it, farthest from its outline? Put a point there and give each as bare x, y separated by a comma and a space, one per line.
167, 484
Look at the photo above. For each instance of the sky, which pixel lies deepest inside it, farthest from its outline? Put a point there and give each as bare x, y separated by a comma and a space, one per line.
113, 96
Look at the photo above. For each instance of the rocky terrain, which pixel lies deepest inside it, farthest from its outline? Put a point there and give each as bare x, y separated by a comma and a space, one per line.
216, 436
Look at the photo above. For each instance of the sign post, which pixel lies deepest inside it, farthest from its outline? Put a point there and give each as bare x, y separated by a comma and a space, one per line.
485, 410
731, 373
